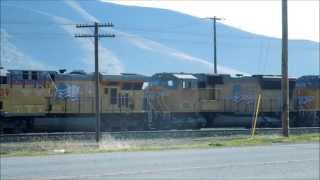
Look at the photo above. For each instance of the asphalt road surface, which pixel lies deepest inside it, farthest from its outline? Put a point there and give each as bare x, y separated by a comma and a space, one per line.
295, 161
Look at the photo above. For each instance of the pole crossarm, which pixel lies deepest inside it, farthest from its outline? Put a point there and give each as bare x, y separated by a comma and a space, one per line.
108, 24
215, 18
89, 35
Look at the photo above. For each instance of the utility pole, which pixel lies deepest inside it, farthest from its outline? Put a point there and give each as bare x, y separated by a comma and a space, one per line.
0, 59
214, 21
96, 37
284, 69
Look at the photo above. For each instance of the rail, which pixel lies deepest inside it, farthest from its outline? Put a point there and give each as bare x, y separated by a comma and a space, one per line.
150, 134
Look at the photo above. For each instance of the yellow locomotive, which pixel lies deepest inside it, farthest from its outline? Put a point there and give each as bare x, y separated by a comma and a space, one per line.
50, 101
307, 101
222, 100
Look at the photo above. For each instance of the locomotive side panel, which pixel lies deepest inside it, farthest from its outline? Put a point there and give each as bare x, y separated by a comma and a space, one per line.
73, 94
23, 96
27, 92
174, 92
238, 95
209, 99
307, 101
271, 93
121, 99
172, 102
74, 103
182, 100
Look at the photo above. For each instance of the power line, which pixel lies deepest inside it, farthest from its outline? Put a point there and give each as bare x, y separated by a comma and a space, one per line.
266, 57
226, 40
224, 36
144, 30
36, 23
89, 1
197, 34
187, 24
162, 28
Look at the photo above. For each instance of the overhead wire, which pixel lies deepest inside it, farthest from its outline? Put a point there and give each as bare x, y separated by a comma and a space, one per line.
156, 30
267, 56
260, 57
186, 24
147, 33
54, 34
163, 28
207, 41
36, 23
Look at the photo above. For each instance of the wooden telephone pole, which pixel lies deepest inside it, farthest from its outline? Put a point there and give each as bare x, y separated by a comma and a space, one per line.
285, 82
214, 21
96, 37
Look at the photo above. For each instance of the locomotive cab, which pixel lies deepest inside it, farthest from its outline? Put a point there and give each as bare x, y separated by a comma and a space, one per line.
172, 102
23, 95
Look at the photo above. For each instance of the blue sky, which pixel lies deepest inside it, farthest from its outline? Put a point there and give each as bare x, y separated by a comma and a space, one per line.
261, 16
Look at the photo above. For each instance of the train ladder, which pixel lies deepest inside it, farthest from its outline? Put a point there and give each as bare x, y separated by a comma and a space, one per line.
150, 113
150, 117
165, 113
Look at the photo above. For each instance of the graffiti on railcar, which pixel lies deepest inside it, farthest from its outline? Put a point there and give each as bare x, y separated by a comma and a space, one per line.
68, 91
304, 100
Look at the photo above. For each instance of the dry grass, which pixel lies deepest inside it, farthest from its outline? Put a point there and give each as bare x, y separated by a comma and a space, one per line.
109, 144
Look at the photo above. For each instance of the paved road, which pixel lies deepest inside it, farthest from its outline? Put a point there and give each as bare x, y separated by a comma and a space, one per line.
299, 161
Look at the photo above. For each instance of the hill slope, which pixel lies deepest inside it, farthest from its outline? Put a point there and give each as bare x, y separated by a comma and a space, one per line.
40, 35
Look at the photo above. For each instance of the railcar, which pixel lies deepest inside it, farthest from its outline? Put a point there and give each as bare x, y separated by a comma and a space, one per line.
120, 102
172, 102
222, 100
23, 97
50, 101
307, 101
47, 101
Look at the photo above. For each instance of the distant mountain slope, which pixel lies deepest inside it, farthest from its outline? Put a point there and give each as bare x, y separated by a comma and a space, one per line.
37, 34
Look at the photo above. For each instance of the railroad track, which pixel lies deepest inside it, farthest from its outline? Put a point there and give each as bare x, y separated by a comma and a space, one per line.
149, 134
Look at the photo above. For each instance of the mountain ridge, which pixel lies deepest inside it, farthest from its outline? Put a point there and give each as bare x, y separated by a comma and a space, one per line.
137, 49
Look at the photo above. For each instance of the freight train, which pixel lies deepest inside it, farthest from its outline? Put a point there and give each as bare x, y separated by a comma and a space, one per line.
51, 101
